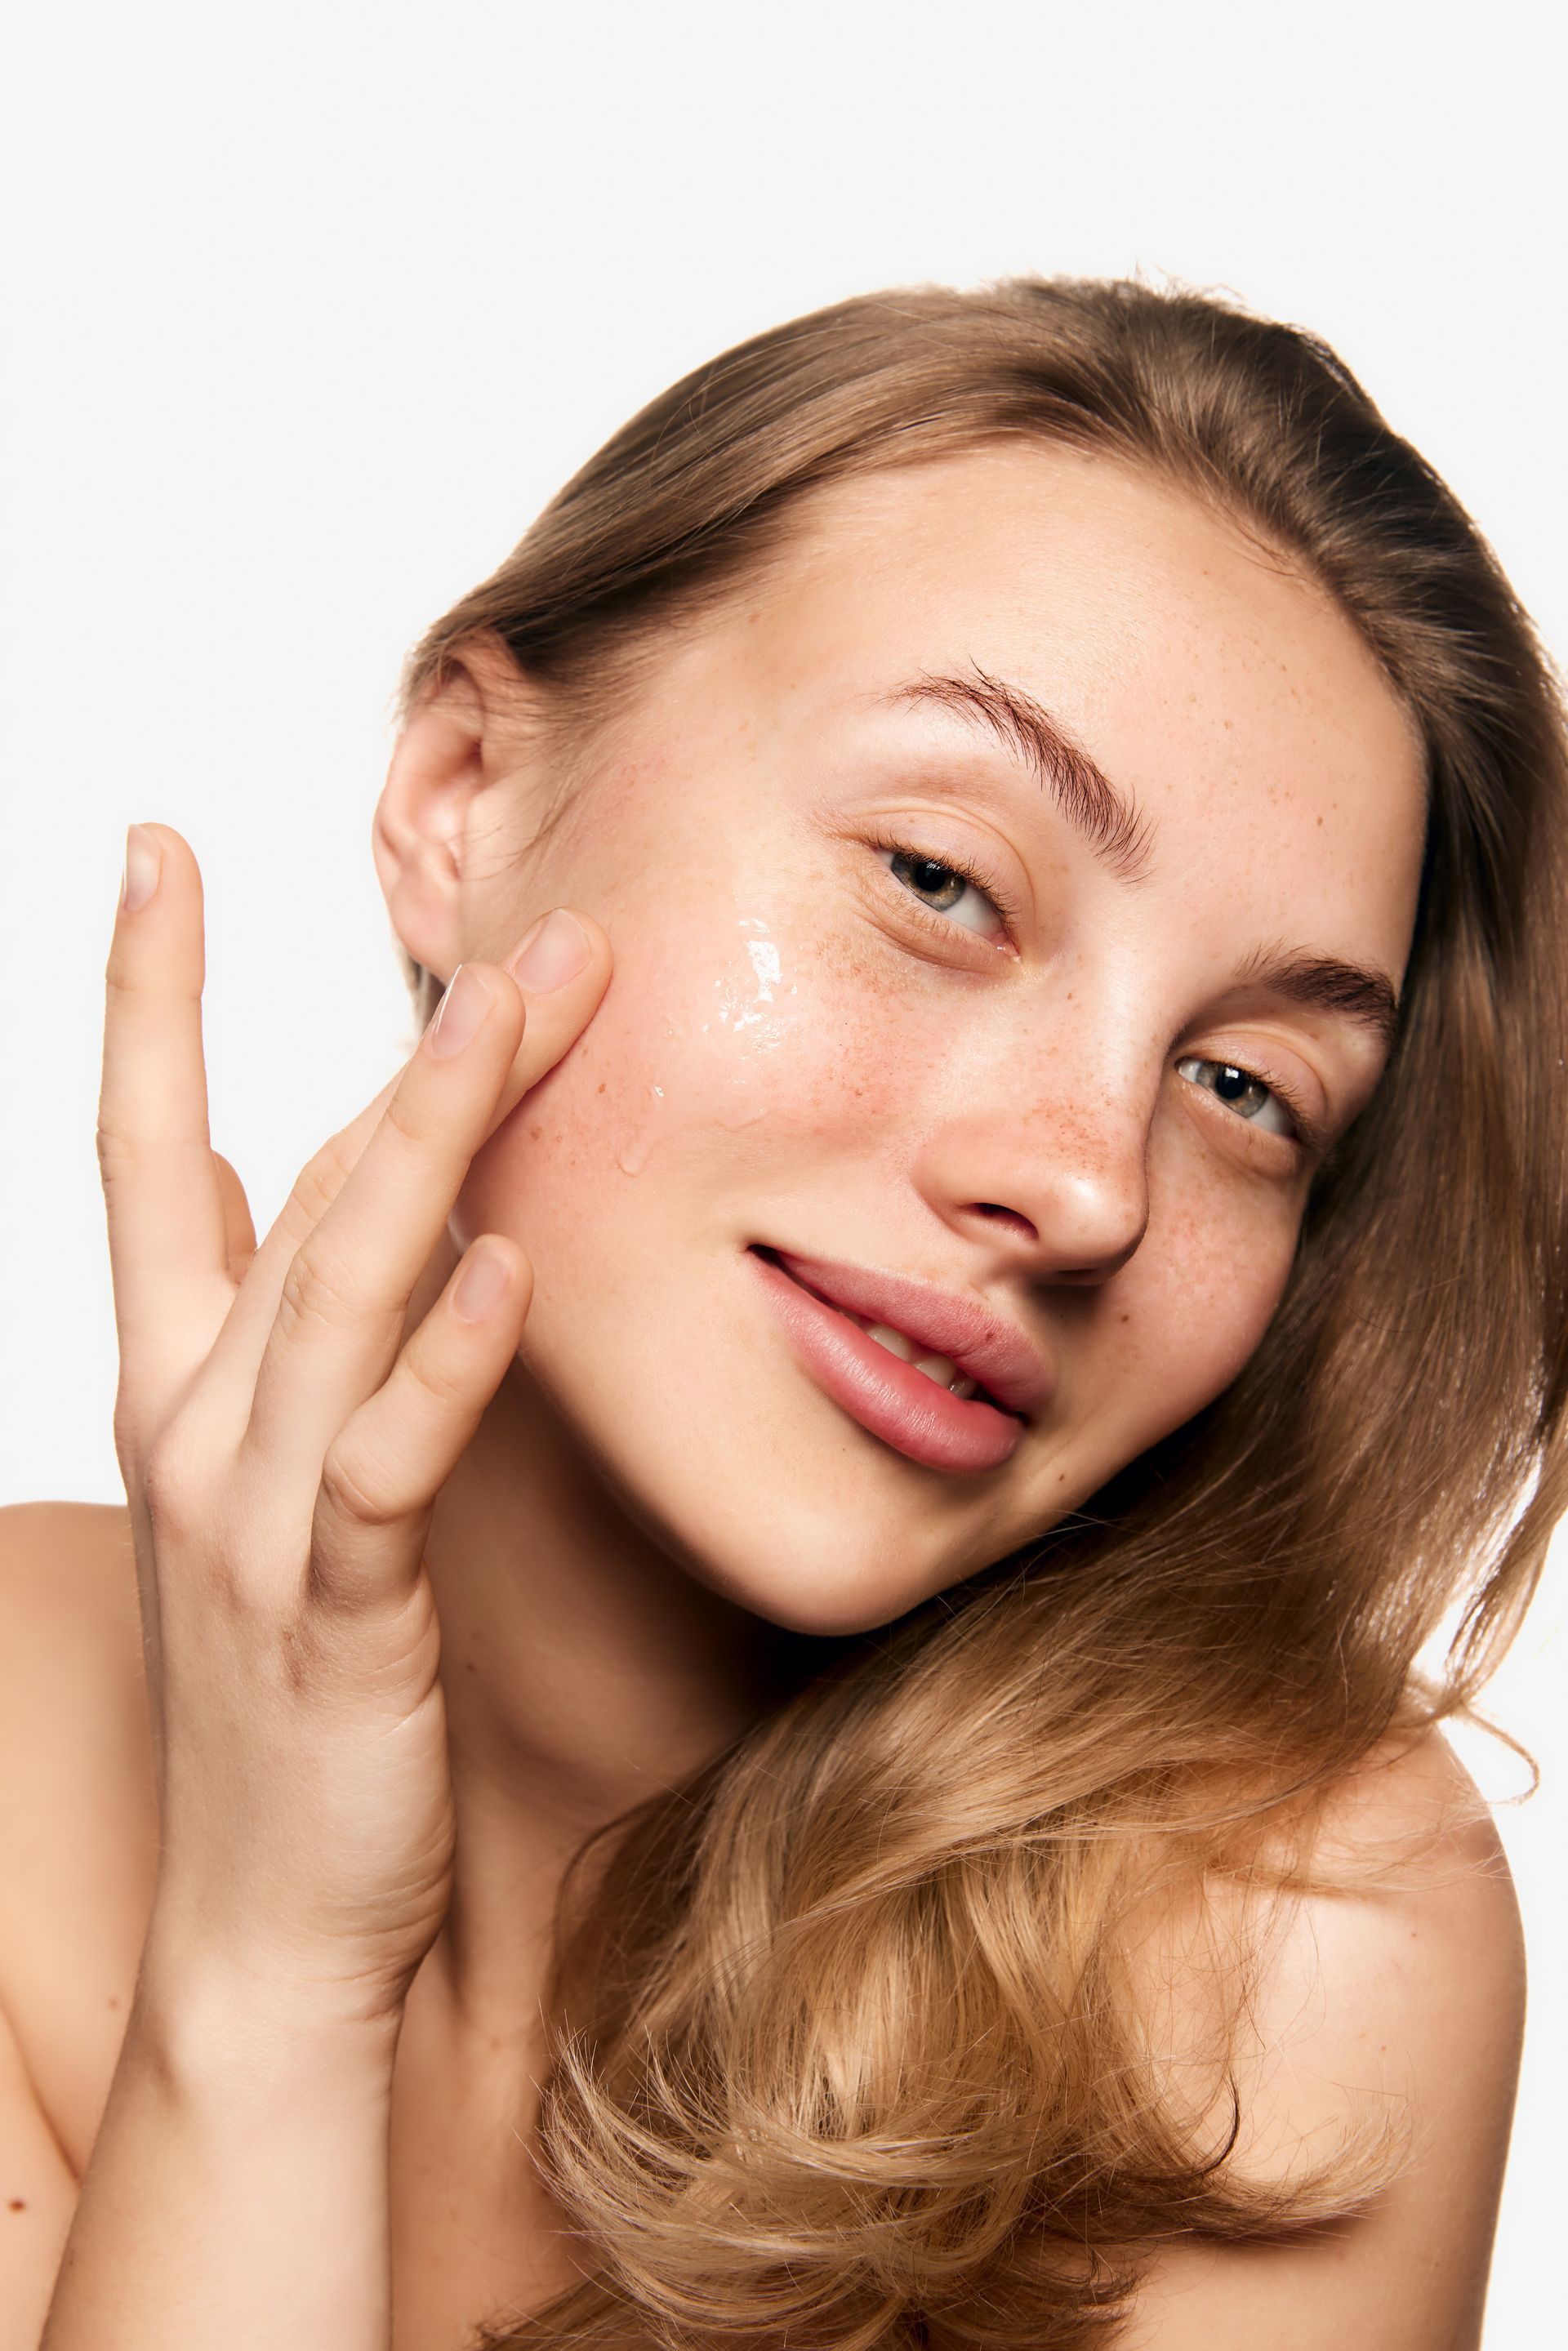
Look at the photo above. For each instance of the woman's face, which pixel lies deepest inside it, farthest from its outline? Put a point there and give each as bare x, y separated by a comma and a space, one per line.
1075, 1103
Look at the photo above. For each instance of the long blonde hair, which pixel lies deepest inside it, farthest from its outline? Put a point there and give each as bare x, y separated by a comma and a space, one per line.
846, 2054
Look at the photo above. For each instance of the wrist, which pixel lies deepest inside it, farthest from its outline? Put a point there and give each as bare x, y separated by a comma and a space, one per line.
209, 2030
242, 2167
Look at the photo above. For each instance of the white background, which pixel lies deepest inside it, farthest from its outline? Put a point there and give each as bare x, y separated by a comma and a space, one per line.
309, 310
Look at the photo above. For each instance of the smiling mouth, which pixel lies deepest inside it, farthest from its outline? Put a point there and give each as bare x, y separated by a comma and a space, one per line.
913, 1401
939, 1369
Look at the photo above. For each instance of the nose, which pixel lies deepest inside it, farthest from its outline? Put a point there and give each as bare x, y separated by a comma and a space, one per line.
1059, 1186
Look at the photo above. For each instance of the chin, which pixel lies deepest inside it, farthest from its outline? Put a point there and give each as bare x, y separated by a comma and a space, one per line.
815, 1593
772, 1536
805, 1565
765, 1495
799, 1557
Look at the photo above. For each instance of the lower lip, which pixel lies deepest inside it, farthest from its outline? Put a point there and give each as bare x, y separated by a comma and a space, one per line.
886, 1396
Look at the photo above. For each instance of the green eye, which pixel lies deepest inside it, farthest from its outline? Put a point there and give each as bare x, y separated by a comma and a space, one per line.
942, 889
1242, 1093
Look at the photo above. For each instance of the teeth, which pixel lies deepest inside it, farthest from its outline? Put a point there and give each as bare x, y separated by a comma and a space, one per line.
940, 1368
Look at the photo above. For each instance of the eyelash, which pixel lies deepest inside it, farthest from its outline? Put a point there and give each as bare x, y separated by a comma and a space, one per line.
1308, 1135
1007, 907
1009, 910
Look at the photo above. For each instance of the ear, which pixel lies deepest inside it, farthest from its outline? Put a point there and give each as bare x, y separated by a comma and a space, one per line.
459, 742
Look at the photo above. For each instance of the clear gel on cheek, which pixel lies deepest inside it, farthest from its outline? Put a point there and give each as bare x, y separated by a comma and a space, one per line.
733, 1090
741, 999
632, 1153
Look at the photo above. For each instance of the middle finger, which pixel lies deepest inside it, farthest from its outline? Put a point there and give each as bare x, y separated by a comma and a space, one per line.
556, 1016
346, 1291
344, 1298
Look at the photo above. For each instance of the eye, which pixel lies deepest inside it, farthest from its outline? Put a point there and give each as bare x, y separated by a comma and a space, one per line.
944, 888
1247, 1096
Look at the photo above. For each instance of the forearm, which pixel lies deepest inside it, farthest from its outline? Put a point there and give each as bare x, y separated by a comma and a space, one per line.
236, 2193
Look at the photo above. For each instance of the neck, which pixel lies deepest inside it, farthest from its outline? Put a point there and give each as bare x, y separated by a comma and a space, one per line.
584, 1672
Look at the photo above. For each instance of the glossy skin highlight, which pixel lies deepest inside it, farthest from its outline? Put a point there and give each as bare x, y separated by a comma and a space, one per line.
795, 1053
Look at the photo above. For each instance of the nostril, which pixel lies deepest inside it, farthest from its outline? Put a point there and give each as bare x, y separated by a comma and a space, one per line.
1008, 1217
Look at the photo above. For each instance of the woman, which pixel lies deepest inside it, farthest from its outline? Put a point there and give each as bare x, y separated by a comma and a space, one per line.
780, 1615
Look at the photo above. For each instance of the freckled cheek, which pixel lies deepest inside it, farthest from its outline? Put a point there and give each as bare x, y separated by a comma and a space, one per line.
1206, 1292
694, 1069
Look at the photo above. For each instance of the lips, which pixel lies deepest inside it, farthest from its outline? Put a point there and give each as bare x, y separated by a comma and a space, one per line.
991, 1352
891, 1398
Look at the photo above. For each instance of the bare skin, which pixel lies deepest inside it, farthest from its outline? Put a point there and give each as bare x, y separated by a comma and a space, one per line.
787, 1054
1435, 1974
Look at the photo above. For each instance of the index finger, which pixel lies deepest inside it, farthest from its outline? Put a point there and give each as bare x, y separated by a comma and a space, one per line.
552, 1022
162, 1195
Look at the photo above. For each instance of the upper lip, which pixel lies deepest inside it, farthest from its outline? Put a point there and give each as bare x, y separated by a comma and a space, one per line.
986, 1347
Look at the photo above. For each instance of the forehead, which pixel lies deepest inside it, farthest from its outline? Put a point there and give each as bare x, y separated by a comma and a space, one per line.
1227, 692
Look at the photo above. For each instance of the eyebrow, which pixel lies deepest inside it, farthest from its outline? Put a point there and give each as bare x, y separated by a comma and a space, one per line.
1325, 984
1082, 791
1123, 837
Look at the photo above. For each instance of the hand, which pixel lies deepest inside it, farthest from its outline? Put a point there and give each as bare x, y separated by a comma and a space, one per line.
282, 1445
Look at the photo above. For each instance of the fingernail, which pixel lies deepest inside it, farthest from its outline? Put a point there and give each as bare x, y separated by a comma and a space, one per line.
459, 1014
144, 864
553, 952
480, 1285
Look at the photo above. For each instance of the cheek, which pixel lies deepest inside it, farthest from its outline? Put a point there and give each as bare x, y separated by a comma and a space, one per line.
704, 1067
1203, 1289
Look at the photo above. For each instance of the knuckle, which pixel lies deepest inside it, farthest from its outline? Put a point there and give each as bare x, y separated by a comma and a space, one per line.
314, 1297
356, 1491
172, 1478
441, 1387
129, 990
116, 1152
410, 1122
319, 1183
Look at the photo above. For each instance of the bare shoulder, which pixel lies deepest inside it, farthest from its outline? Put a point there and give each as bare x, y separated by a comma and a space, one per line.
1392, 1998
71, 1627
62, 1561
77, 1807
1406, 1971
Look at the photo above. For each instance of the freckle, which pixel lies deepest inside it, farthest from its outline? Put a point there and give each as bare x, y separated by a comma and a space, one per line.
601, 1081
468, 1666
114, 2003
535, 1133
